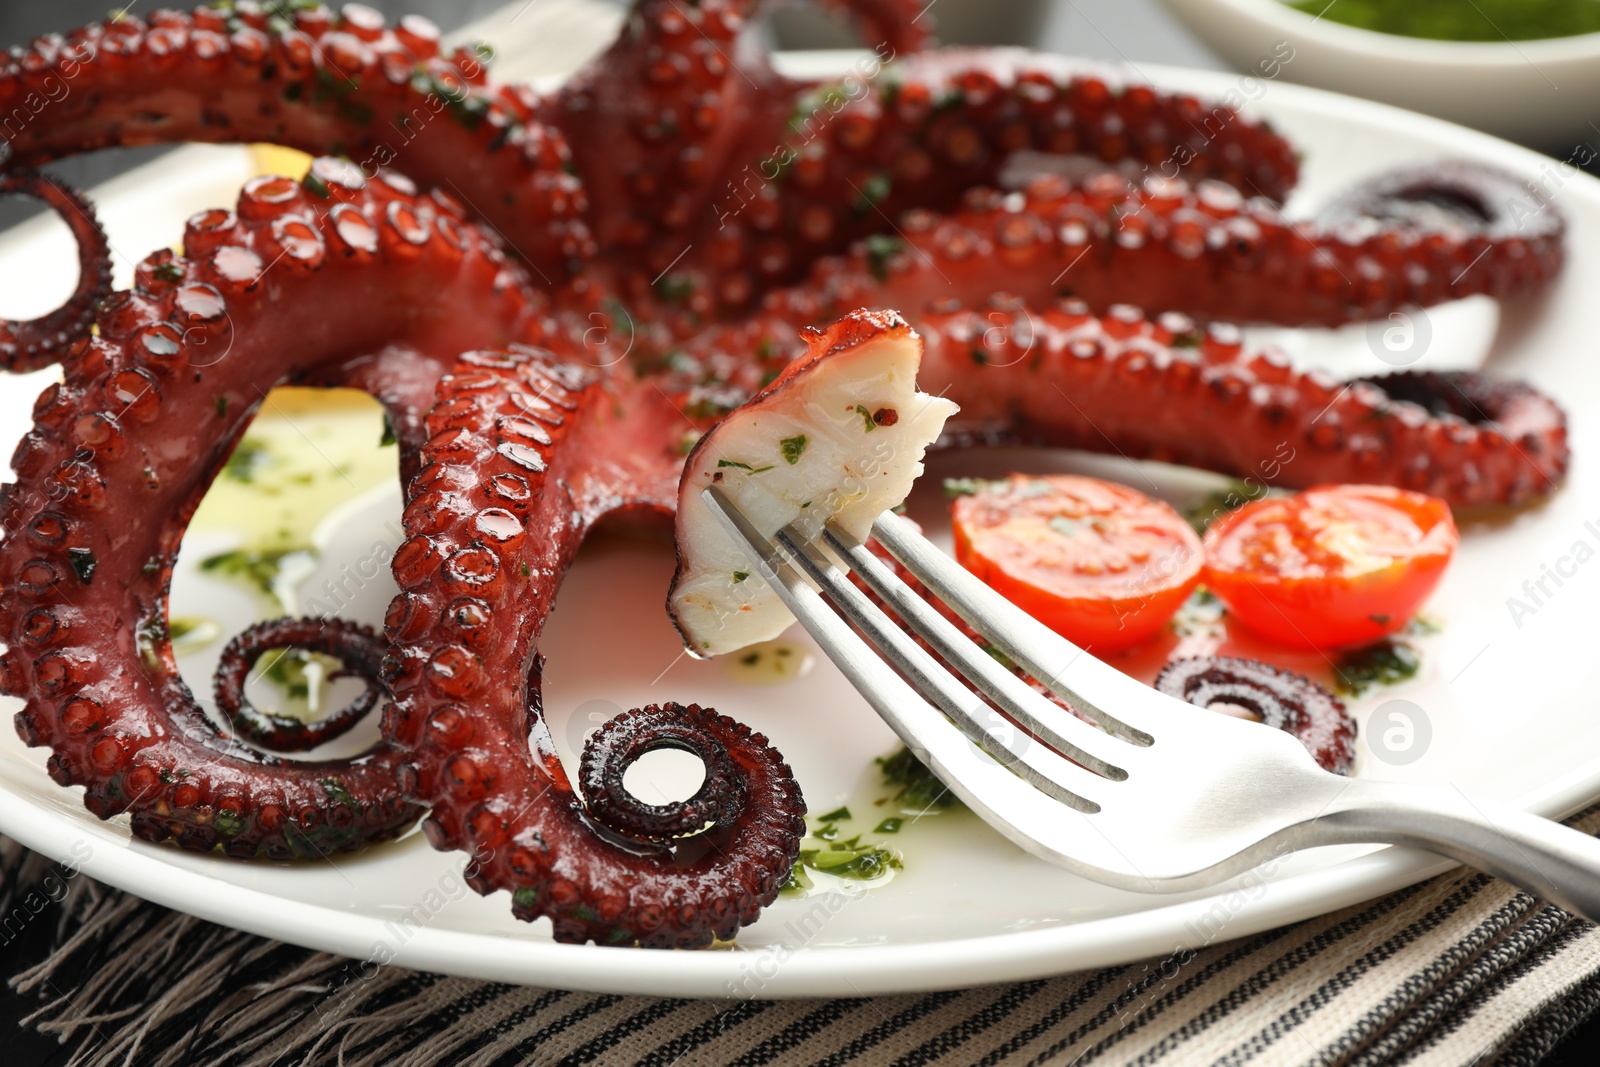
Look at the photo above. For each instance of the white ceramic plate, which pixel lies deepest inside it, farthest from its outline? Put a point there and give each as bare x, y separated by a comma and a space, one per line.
1508, 700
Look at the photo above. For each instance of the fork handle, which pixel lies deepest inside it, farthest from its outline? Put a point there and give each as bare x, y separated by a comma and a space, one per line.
1547, 859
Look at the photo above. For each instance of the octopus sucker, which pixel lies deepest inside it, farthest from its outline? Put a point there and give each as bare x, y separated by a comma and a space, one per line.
555, 296
496, 516
1200, 249
1068, 378
120, 454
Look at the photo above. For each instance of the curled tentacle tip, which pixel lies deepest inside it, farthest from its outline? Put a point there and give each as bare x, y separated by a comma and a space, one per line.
359, 650
34, 343
1279, 698
620, 743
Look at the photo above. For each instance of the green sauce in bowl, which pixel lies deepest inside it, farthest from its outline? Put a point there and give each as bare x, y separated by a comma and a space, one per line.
1462, 20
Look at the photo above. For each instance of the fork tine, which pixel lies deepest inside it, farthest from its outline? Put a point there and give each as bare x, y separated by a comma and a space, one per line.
955, 750
1051, 723
1061, 666
1046, 769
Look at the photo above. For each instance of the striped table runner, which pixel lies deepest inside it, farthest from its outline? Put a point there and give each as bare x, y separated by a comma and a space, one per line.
1464, 969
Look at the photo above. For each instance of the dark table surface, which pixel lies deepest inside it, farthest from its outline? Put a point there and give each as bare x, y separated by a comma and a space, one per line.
1128, 30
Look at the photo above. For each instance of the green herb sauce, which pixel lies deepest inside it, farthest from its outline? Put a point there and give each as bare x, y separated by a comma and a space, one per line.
1386, 662
1462, 20
916, 788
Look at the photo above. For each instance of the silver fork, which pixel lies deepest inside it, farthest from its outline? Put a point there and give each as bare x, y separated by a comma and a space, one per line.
1162, 797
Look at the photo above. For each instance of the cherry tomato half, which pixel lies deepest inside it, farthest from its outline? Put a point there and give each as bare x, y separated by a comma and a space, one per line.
1101, 564
1331, 567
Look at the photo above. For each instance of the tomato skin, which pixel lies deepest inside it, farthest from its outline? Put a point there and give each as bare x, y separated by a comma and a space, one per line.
1332, 567
1101, 564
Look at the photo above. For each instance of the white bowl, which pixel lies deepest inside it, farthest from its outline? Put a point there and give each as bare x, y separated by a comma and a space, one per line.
1543, 93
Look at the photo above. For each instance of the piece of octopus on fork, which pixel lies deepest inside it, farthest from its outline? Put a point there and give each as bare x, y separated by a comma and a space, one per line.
453, 261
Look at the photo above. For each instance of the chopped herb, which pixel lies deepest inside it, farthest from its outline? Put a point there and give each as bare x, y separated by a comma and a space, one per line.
866, 417
917, 788
316, 186
873, 192
1385, 662
743, 466
1213, 506
258, 567
337, 790
713, 405
954, 487
188, 634
809, 104
880, 250
891, 825
228, 822
527, 571
389, 436
249, 459
793, 448
835, 815
300, 675
797, 883
750, 659
807, 504
526, 897
168, 272
861, 864
675, 288
999, 657
83, 563
739, 576
222, 406
687, 442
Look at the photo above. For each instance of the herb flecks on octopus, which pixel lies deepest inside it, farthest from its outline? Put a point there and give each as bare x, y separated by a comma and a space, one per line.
566, 290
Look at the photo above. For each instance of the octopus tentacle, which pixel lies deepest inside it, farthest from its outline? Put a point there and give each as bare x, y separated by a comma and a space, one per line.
40, 342
503, 500
1198, 249
904, 25
927, 130
341, 84
358, 649
1283, 700
811, 167
122, 451
1070, 378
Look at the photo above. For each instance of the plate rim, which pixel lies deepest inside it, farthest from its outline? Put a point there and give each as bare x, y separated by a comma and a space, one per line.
144, 870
